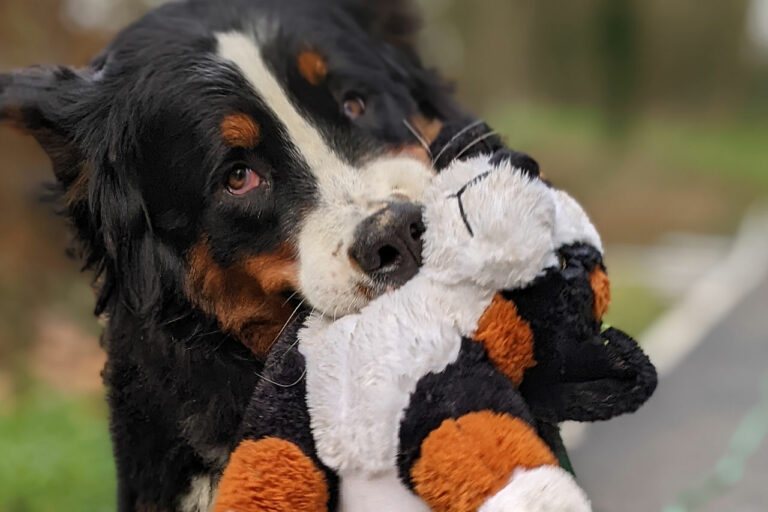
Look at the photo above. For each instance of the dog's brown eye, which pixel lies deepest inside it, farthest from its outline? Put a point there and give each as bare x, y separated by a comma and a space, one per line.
354, 107
242, 180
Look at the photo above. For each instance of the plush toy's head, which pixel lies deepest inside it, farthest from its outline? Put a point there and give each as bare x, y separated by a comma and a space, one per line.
502, 229
487, 224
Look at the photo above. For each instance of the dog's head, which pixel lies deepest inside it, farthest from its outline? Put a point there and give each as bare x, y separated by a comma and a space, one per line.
233, 152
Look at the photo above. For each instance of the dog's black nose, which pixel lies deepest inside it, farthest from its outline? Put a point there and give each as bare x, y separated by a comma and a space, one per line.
388, 244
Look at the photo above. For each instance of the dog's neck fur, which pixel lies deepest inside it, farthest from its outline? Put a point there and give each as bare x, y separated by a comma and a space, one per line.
180, 394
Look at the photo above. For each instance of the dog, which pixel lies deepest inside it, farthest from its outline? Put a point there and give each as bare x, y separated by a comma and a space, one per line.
225, 164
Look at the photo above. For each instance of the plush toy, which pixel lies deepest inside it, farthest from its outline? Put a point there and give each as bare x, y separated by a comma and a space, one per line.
446, 394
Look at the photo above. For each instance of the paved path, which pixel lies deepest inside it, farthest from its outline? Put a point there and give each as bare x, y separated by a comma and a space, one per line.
701, 442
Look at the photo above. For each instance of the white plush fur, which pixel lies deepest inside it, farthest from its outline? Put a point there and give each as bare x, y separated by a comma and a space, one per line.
384, 492
572, 223
512, 218
542, 489
363, 368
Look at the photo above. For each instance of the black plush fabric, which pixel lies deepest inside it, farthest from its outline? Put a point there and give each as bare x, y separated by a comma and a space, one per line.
582, 374
470, 384
278, 407
464, 139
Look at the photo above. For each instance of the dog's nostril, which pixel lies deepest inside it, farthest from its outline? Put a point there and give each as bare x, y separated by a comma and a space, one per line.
417, 230
388, 256
388, 244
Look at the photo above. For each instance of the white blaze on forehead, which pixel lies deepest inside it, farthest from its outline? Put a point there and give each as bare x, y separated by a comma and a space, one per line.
244, 52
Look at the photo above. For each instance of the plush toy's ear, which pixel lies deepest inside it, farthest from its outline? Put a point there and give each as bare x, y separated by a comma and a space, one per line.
462, 139
47, 103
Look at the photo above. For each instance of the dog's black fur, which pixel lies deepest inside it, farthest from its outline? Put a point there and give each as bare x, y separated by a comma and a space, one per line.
133, 139
140, 165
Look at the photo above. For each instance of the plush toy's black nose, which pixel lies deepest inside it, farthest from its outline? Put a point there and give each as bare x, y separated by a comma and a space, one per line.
388, 244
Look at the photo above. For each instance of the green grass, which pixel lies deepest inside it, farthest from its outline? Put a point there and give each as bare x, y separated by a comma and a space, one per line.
730, 150
55, 454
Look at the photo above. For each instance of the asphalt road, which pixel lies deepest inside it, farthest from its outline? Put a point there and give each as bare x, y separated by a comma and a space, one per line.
701, 442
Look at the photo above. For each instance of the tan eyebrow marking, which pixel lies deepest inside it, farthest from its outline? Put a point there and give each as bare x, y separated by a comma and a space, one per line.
240, 131
312, 67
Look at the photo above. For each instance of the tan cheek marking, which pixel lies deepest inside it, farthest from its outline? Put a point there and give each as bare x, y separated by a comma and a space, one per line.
428, 129
312, 66
245, 297
601, 289
507, 338
465, 461
271, 474
240, 131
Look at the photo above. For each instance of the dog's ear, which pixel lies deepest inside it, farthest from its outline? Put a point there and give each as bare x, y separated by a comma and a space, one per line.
396, 22
53, 105
50, 105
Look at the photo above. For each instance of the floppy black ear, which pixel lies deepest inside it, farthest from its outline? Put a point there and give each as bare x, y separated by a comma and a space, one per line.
396, 22
48, 103
59, 107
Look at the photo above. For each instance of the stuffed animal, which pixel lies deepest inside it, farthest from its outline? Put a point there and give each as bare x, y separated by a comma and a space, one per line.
445, 394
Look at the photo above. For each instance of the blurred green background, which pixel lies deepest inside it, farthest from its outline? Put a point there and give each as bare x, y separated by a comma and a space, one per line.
653, 113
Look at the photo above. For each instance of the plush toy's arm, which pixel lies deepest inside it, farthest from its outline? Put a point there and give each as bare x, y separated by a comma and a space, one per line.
275, 466
466, 443
584, 372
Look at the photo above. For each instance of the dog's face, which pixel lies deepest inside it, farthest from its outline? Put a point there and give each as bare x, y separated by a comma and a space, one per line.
235, 152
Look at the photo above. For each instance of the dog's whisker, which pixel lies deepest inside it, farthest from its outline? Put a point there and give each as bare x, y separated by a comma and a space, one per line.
282, 330
204, 334
419, 137
476, 141
174, 320
289, 298
301, 377
455, 138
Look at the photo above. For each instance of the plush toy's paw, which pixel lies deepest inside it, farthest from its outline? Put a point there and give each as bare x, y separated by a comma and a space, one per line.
543, 489
517, 160
271, 475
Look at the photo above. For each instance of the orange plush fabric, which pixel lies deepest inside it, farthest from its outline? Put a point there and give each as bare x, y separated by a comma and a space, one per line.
601, 288
467, 460
271, 475
507, 338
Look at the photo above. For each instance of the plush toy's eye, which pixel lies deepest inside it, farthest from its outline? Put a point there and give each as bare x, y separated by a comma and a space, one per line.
353, 106
242, 180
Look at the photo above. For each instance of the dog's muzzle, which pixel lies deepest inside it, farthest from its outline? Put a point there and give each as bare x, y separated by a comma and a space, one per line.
387, 245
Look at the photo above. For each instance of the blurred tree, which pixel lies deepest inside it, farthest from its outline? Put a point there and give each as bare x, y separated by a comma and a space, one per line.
617, 54
625, 56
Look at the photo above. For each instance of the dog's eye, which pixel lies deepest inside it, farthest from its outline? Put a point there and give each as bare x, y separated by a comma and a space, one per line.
242, 180
353, 106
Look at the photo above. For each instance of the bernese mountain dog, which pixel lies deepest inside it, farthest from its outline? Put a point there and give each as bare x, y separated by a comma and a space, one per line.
225, 164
